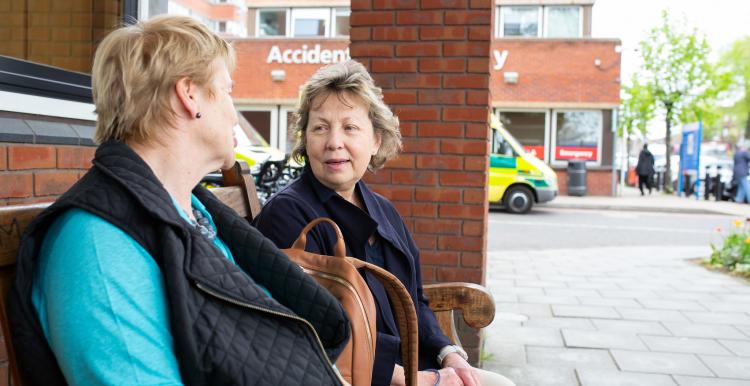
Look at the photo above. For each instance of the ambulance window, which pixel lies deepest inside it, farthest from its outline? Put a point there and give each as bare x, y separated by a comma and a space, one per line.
500, 146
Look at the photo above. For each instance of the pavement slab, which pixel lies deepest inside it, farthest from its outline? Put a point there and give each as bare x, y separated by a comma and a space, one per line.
738, 347
597, 377
718, 317
600, 339
585, 312
660, 363
683, 380
696, 330
630, 327
570, 357
536, 336
538, 375
651, 315
684, 345
560, 323
728, 366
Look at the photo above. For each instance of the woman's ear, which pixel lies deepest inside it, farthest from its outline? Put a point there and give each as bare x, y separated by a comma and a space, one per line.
378, 141
186, 91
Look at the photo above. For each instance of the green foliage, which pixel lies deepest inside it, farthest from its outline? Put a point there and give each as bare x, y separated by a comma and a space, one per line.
736, 61
734, 253
678, 77
637, 107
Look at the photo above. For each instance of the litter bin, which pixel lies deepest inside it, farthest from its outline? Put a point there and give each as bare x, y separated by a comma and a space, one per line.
576, 178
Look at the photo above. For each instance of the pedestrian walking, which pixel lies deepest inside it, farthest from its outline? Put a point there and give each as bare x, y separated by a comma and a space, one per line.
739, 173
645, 169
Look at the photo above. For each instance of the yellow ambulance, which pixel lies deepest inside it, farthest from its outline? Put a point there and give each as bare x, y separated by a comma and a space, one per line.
517, 178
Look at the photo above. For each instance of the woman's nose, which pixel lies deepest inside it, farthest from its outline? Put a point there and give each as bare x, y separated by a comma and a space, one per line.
335, 139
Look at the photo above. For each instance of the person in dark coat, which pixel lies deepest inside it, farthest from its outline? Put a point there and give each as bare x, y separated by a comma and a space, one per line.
138, 274
645, 169
345, 129
739, 173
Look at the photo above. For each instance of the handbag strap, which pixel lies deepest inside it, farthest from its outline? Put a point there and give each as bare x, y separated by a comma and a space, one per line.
401, 302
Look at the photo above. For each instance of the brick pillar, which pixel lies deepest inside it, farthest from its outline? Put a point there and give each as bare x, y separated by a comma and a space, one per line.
432, 59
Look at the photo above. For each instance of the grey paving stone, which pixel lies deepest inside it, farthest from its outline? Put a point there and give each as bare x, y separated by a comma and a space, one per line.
560, 323
744, 329
506, 354
524, 290
660, 363
541, 283
726, 306
682, 305
569, 357
613, 302
597, 377
571, 292
684, 380
601, 339
630, 326
632, 294
688, 295
684, 345
652, 315
718, 317
593, 285
548, 299
738, 347
728, 367
743, 298
585, 312
537, 375
698, 330
522, 335
506, 317
528, 309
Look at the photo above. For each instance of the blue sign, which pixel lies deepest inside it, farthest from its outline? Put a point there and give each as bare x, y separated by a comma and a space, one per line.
690, 154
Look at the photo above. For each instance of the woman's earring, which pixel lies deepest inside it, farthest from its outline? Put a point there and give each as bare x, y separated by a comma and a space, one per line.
198, 115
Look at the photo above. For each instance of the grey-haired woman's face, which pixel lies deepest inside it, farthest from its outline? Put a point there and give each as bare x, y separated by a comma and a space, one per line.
340, 140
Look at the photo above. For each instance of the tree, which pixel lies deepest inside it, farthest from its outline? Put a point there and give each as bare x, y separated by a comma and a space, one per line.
637, 108
737, 62
680, 79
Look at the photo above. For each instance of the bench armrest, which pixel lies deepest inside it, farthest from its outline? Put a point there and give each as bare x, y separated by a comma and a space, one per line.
475, 302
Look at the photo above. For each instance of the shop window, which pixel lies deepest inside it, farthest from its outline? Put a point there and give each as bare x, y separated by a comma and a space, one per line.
310, 22
341, 21
578, 135
528, 128
563, 22
272, 22
523, 21
222, 26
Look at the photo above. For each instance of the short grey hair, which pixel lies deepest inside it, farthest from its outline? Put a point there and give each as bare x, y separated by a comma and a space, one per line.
350, 76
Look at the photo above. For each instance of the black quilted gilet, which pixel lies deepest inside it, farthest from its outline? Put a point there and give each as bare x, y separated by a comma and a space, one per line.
226, 330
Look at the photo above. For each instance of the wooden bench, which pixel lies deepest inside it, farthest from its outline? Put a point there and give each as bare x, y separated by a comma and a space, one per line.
475, 302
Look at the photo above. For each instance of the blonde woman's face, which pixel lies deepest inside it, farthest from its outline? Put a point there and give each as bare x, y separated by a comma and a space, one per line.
340, 141
219, 116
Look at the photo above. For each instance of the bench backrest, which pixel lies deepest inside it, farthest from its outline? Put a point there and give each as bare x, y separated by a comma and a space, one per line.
238, 192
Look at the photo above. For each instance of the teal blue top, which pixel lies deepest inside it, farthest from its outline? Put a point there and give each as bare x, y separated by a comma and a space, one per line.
102, 303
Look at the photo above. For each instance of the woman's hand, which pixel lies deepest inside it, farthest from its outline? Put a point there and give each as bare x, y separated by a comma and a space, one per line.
448, 377
463, 369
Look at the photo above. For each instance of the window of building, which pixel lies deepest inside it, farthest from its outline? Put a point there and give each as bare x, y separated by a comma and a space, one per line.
272, 22
222, 26
563, 22
529, 128
341, 21
523, 21
578, 135
310, 22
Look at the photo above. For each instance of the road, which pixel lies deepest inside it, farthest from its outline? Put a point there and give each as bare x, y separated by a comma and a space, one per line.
547, 228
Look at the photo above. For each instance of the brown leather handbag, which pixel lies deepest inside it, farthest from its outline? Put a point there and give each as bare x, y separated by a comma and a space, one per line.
340, 275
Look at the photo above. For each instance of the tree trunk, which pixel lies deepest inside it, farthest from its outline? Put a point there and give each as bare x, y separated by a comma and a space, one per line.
668, 144
747, 126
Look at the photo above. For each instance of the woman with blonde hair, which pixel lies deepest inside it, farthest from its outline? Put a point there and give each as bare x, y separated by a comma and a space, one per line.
137, 274
344, 130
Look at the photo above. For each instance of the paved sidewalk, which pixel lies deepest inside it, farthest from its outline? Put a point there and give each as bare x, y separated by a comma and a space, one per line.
656, 202
616, 316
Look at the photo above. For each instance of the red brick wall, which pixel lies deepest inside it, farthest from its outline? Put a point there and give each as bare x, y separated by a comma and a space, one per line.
432, 59
253, 78
598, 182
40, 173
558, 70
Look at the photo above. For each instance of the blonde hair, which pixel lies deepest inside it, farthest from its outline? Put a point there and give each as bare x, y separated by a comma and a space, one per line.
352, 77
136, 67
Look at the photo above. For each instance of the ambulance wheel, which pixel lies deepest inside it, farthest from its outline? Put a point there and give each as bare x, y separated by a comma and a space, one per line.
518, 199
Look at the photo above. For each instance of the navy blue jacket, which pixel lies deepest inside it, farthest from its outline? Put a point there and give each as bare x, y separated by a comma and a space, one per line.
741, 159
306, 199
